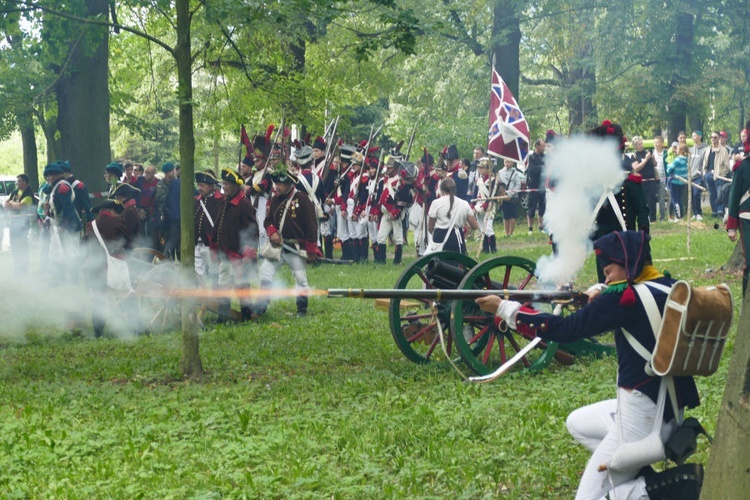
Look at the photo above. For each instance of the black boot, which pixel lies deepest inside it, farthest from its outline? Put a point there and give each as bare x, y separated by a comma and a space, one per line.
493, 244
301, 306
397, 254
347, 252
328, 243
365, 246
222, 310
485, 244
683, 482
380, 250
361, 253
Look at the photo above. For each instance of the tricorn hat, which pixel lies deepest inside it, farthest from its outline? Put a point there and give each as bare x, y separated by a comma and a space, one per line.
282, 174
206, 177
113, 205
232, 176
125, 190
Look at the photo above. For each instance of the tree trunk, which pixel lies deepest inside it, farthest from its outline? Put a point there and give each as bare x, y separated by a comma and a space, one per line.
83, 102
190, 365
28, 140
506, 42
728, 472
682, 72
580, 85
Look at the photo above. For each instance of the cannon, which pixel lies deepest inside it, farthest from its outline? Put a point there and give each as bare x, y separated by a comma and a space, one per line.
436, 294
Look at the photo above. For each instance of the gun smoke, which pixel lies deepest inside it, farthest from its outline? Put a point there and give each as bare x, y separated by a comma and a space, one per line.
582, 169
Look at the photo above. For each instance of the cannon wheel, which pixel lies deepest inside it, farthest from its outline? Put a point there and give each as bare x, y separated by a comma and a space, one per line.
413, 325
159, 311
482, 345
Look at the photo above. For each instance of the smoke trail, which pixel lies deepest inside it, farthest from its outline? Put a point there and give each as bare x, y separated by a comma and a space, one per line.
583, 169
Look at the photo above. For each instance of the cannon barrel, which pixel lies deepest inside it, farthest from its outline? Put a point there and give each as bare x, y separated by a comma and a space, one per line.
439, 294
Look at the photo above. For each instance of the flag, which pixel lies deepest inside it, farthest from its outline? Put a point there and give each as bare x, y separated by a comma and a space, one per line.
244, 139
509, 131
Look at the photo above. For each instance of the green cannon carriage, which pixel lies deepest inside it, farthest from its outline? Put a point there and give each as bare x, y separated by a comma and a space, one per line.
435, 295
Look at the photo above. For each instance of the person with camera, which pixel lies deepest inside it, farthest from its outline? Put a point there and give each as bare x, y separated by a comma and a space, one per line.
632, 288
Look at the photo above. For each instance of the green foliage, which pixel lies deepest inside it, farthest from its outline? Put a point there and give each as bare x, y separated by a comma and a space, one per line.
324, 406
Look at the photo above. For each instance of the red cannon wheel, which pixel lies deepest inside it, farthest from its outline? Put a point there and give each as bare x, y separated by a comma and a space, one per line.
414, 325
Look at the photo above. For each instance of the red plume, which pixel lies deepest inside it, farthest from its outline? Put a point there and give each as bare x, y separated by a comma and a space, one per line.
286, 132
269, 131
363, 144
628, 297
307, 138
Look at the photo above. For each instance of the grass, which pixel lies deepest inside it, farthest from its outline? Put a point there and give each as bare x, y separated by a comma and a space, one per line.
324, 406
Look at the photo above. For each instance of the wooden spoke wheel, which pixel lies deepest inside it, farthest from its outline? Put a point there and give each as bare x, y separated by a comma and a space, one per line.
414, 324
159, 310
482, 345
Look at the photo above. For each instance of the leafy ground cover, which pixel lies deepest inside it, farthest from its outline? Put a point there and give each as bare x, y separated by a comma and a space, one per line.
324, 406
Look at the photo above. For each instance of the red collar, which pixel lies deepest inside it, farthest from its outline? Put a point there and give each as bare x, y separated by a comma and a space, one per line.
237, 198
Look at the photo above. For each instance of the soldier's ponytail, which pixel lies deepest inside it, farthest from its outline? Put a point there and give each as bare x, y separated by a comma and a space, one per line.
448, 186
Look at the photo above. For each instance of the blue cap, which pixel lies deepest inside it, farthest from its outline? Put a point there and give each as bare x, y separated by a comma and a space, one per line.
114, 168
52, 169
65, 165
167, 167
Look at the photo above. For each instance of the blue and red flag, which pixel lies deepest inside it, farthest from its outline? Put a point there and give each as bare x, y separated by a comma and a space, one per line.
509, 131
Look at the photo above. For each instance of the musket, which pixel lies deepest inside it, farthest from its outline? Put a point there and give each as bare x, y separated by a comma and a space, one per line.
436, 294
411, 141
329, 149
319, 260
371, 193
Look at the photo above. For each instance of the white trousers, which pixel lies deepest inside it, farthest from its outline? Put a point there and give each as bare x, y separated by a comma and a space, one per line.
296, 264
486, 222
342, 225
388, 224
204, 264
596, 427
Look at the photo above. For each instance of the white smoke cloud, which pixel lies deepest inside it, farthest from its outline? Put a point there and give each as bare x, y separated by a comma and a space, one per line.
583, 169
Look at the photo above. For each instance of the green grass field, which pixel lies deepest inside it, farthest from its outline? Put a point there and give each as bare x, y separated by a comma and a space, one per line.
320, 407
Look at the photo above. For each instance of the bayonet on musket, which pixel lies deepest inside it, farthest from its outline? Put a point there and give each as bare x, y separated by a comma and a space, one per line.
411, 141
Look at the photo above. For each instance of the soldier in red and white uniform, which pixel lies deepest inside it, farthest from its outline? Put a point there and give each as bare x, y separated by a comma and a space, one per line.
339, 200
395, 196
371, 210
483, 207
355, 207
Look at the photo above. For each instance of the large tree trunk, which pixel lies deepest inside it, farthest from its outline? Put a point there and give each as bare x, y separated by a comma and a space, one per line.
28, 140
580, 84
83, 102
190, 365
506, 42
681, 64
728, 472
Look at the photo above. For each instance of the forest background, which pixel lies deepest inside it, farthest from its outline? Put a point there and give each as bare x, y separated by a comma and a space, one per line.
92, 80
